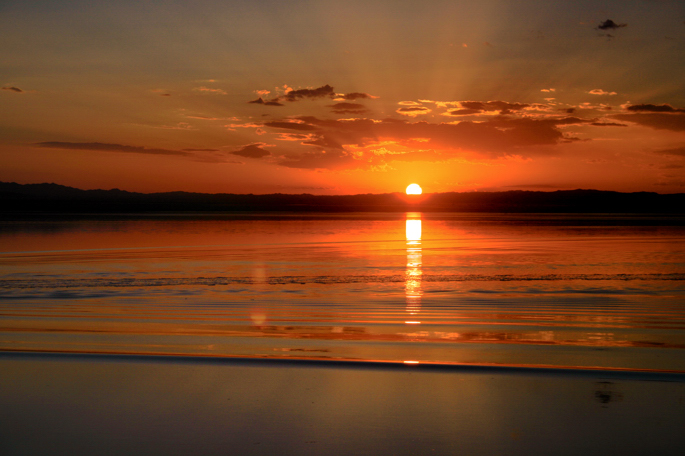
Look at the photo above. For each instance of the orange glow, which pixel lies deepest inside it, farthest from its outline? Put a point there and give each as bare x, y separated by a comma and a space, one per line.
414, 189
413, 274
413, 231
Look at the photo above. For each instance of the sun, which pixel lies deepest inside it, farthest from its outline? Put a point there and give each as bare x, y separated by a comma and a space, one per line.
414, 189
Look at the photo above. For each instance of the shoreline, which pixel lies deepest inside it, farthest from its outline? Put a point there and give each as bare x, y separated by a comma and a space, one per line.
616, 373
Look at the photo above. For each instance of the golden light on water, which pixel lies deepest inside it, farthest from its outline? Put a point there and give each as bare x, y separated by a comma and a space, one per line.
414, 230
414, 189
413, 274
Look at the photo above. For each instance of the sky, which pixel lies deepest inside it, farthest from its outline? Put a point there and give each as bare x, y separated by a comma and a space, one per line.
333, 97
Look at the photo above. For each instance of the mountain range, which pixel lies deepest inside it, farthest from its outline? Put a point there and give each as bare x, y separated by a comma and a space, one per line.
54, 198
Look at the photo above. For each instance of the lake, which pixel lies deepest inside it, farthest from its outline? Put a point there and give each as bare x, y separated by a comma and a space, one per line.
526, 310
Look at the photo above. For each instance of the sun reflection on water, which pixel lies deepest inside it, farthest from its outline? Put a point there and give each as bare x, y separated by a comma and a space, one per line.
412, 283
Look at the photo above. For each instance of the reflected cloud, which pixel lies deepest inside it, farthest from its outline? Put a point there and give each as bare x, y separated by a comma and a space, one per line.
412, 282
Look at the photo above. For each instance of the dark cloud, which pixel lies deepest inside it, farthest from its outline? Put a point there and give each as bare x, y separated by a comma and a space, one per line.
413, 109
201, 155
610, 25
653, 108
261, 101
357, 96
290, 125
463, 112
608, 124
325, 91
676, 151
13, 89
252, 151
111, 148
325, 141
493, 138
348, 108
659, 121
319, 92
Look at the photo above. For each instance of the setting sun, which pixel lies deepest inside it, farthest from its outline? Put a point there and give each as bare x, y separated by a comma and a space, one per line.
414, 189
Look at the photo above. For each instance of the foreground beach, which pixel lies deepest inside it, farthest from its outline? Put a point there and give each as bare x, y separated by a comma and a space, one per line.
94, 404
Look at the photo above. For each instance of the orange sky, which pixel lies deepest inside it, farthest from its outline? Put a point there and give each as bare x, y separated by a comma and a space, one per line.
332, 97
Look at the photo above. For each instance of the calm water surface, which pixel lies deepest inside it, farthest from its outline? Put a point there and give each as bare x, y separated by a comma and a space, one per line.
564, 291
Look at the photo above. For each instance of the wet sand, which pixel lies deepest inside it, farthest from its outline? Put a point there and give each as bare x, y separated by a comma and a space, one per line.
102, 404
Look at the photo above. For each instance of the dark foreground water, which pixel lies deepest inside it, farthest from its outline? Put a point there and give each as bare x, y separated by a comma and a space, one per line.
475, 333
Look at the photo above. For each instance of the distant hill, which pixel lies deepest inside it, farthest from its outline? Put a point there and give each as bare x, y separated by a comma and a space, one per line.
56, 198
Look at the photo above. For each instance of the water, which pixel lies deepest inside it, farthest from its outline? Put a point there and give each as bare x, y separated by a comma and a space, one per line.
566, 291
347, 334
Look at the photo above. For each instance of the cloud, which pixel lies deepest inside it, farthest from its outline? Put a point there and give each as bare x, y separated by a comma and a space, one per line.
354, 143
676, 151
413, 111
13, 89
261, 101
654, 108
673, 121
357, 96
178, 126
325, 141
600, 92
610, 25
319, 92
463, 112
252, 151
502, 106
302, 126
111, 148
200, 155
233, 126
608, 124
325, 91
295, 136
348, 108
468, 108
208, 90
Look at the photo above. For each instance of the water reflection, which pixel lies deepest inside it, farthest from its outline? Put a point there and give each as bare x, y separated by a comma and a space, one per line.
497, 291
412, 281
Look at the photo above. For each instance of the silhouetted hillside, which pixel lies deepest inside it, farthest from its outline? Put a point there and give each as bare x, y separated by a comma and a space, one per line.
61, 199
